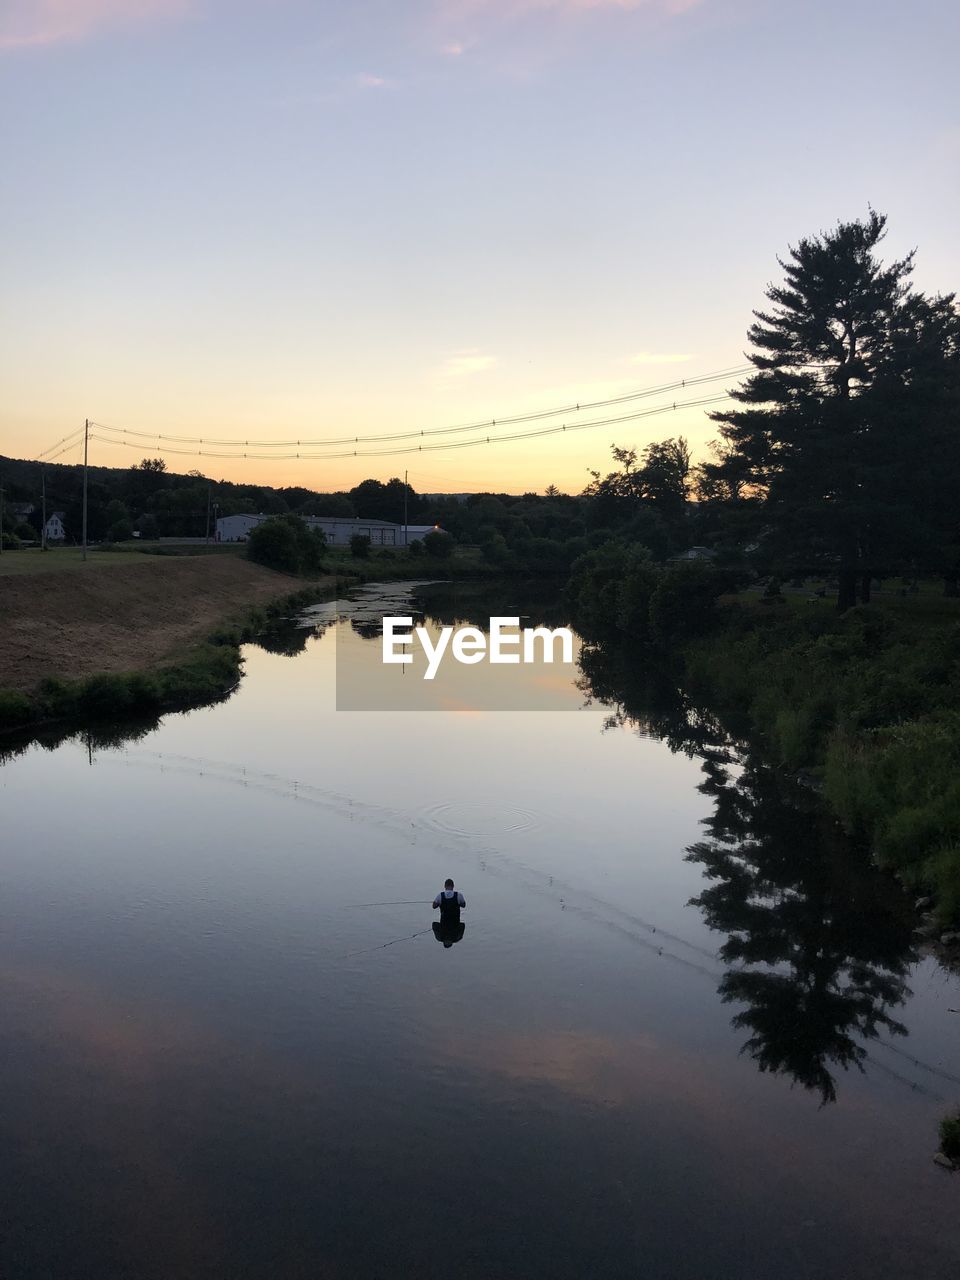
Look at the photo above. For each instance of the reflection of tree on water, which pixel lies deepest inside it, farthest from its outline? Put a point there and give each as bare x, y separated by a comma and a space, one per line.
818, 940
95, 737
287, 637
471, 602
370, 628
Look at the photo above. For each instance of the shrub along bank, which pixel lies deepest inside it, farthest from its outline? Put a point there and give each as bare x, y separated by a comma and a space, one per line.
867, 702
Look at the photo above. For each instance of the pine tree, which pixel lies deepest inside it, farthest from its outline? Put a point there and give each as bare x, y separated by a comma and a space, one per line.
842, 423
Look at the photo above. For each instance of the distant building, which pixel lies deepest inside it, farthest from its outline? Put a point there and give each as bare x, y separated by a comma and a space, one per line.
694, 553
21, 509
337, 529
55, 531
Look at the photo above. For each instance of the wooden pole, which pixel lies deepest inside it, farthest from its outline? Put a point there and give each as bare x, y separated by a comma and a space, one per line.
86, 438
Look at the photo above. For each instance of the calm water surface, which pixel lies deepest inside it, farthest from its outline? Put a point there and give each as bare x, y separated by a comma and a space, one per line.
641, 1061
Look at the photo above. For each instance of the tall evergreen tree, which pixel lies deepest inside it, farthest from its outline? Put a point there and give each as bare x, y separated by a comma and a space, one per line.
840, 431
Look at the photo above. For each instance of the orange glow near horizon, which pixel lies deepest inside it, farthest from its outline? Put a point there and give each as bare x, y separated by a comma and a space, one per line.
522, 465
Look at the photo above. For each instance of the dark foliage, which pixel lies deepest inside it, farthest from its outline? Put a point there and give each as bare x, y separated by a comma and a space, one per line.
287, 543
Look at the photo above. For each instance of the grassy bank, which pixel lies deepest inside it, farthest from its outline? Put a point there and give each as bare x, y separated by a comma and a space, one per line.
868, 704
203, 673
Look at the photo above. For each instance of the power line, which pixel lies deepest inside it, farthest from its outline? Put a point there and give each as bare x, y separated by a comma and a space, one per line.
68, 449
72, 437
484, 425
62, 446
564, 428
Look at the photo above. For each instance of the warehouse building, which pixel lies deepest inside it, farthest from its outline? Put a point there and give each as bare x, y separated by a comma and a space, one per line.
338, 529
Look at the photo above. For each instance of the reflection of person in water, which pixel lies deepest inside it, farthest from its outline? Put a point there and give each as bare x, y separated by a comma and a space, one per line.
449, 929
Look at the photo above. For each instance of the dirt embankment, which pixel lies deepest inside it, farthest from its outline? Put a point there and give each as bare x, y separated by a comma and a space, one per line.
91, 619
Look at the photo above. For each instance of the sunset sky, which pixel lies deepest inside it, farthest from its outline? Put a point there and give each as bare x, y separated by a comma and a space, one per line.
280, 218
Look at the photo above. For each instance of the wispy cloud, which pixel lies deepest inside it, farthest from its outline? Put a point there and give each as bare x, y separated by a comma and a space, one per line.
659, 357
462, 363
507, 9
460, 25
367, 81
33, 23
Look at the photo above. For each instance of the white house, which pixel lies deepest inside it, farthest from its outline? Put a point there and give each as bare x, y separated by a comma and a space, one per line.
337, 529
55, 532
693, 553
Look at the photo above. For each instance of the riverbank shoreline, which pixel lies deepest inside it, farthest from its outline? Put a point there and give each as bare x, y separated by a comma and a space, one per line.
152, 635
864, 706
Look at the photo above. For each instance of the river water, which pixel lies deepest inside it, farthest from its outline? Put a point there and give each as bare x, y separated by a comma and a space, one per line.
684, 1034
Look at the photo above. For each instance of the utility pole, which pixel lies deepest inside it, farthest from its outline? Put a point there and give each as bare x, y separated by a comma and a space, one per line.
86, 439
406, 539
43, 509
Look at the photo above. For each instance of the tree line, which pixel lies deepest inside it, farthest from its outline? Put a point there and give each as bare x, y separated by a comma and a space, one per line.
839, 459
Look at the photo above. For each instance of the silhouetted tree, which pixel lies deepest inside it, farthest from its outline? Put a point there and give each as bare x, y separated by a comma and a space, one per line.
842, 422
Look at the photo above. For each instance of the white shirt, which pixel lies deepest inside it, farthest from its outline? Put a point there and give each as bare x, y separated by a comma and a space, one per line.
448, 894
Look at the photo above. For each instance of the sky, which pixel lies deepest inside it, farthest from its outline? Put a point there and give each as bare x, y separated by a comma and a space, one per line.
282, 219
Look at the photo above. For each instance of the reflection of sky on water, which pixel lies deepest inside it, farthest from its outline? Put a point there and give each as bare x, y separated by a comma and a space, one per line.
209, 1066
365, 683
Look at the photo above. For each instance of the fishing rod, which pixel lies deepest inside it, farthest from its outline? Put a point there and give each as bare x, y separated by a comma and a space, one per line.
404, 902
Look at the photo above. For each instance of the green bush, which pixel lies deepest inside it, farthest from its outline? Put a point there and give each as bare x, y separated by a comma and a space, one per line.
288, 544
438, 545
546, 555
208, 673
641, 578
121, 531
15, 709
494, 548
359, 546
941, 873
107, 696
950, 1135
594, 586
684, 603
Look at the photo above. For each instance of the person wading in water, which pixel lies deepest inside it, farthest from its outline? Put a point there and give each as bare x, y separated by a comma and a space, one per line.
449, 929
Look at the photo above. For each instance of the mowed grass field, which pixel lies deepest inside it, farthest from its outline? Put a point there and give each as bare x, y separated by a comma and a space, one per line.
32, 560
